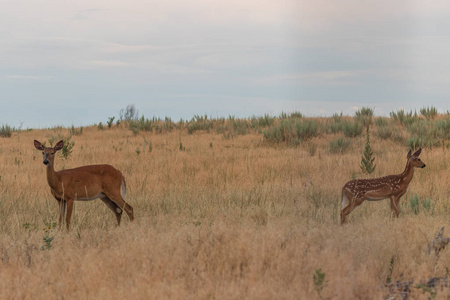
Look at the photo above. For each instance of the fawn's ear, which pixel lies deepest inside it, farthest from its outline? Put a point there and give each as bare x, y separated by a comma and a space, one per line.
409, 154
38, 145
59, 145
417, 153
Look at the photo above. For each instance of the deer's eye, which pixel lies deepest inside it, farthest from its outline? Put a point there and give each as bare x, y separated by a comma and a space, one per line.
43, 152
418, 159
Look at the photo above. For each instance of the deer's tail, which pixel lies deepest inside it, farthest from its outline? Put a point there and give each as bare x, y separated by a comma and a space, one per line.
344, 200
123, 188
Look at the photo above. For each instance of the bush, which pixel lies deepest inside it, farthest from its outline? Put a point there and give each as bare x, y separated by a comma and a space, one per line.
404, 118
336, 127
6, 131
381, 122
416, 205
352, 129
385, 132
262, 122
66, 150
429, 112
339, 146
293, 115
307, 129
443, 128
292, 131
200, 123
415, 142
367, 165
273, 135
130, 113
364, 116
240, 126
76, 131
423, 134
110, 121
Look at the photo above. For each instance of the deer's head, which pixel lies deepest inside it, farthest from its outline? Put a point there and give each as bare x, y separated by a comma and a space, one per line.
414, 159
48, 153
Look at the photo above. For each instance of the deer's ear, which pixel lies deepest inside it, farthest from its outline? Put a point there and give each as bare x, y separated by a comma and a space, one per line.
38, 145
59, 145
417, 153
409, 154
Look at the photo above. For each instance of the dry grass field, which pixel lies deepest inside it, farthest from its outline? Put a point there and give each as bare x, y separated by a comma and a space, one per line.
219, 218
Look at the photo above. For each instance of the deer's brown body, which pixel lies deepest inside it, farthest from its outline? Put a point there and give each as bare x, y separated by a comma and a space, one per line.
393, 187
85, 183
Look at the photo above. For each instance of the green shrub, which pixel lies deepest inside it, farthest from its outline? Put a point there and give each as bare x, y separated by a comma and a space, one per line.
416, 205
443, 128
423, 134
296, 115
262, 122
429, 112
66, 150
352, 129
416, 141
110, 121
293, 115
404, 118
339, 145
367, 165
292, 131
273, 135
76, 131
381, 122
336, 127
364, 116
385, 132
337, 117
240, 126
6, 131
200, 123
306, 129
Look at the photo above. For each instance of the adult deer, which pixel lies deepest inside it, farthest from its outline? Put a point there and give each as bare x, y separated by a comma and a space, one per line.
393, 187
84, 183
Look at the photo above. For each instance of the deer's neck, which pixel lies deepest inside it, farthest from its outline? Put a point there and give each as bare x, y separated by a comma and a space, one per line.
408, 174
52, 177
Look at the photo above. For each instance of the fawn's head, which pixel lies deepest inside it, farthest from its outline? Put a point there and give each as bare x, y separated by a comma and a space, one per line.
48, 153
414, 159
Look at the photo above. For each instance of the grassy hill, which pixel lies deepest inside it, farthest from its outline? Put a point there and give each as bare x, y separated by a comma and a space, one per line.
226, 209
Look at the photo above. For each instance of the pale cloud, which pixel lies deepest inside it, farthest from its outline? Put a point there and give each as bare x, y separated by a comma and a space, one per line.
28, 77
225, 57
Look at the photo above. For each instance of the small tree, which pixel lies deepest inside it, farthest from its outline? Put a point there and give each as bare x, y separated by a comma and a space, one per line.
130, 113
110, 121
364, 115
66, 151
367, 165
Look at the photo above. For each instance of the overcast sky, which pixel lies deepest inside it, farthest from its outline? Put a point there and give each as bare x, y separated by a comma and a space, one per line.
80, 62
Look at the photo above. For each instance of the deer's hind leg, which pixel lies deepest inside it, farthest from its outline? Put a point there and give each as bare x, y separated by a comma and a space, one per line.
121, 204
353, 202
113, 206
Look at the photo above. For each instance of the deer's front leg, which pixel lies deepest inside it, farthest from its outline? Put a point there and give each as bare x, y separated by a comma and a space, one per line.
394, 206
62, 209
69, 212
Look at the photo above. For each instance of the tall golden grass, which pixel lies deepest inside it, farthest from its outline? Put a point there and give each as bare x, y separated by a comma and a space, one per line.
220, 218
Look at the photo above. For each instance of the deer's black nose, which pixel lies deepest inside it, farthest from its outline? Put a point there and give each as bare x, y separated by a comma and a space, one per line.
45, 162
423, 166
